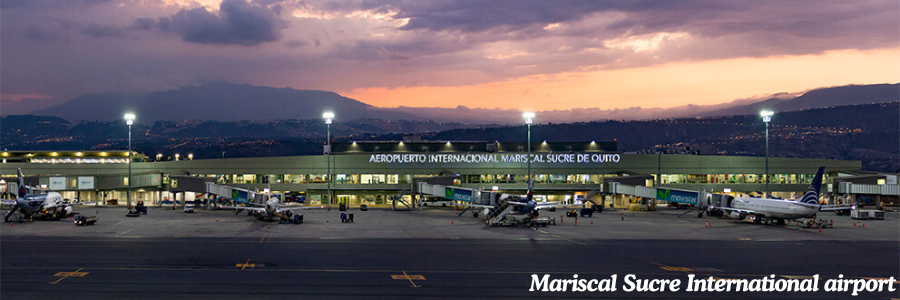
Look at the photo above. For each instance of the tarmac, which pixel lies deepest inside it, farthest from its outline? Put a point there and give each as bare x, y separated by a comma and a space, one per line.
431, 253
443, 223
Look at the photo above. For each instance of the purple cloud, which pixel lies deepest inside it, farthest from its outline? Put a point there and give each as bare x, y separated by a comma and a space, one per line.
238, 23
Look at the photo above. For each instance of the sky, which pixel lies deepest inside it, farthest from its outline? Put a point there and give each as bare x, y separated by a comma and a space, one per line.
507, 54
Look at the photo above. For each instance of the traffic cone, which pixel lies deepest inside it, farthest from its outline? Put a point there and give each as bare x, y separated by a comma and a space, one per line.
707, 224
576, 221
820, 229
864, 225
451, 222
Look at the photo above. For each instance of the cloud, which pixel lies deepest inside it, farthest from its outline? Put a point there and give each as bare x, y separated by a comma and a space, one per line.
238, 23
97, 31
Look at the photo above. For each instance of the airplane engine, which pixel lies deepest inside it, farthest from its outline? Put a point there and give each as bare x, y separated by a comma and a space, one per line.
738, 216
67, 210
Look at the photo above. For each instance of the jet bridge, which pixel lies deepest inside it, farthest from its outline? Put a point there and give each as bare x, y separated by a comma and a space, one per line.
237, 195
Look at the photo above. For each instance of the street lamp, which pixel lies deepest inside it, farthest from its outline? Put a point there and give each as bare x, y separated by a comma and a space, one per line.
767, 117
328, 118
529, 117
129, 119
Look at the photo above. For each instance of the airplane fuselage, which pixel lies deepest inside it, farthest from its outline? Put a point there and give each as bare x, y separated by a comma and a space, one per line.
775, 208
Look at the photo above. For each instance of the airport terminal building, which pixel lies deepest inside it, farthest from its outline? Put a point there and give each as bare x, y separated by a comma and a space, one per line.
371, 172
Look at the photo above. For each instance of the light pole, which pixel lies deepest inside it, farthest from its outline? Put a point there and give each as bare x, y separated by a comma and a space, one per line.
529, 117
767, 117
328, 118
129, 119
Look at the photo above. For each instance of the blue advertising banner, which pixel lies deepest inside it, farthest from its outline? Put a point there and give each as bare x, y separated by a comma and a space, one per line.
678, 196
239, 196
458, 194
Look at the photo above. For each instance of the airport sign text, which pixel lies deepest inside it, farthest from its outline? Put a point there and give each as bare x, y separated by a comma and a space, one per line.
476, 158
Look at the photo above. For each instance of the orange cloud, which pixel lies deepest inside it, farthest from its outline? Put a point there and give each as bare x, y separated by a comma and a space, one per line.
667, 85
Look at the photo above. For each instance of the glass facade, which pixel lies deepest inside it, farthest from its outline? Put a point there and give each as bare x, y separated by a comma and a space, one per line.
508, 178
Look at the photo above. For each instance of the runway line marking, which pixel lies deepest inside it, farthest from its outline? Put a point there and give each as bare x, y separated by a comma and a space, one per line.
69, 274
129, 230
881, 278
245, 265
797, 276
264, 233
559, 237
409, 277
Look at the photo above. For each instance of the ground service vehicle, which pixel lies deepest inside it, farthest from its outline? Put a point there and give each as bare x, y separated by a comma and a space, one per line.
82, 220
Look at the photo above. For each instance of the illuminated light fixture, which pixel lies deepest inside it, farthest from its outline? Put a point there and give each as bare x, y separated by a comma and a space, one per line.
545, 141
328, 116
78, 154
529, 117
177, 156
448, 142
54, 154
126, 154
129, 119
593, 142
191, 156
102, 153
5, 153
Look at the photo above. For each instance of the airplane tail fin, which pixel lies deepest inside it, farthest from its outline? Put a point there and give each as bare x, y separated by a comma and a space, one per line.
21, 183
812, 194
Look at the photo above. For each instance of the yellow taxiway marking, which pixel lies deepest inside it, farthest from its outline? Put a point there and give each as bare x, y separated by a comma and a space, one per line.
671, 268
881, 278
264, 233
245, 265
409, 277
746, 239
65, 275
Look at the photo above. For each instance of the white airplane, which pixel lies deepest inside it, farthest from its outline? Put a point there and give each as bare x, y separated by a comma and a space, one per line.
270, 209
523, 206
780, 209
50, 205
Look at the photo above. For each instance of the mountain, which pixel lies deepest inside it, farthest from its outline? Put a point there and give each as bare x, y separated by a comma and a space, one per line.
218, 101
818, 98
221, 101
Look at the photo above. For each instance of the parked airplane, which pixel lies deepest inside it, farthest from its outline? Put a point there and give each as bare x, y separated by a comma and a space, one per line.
779, 209
522, 206
50, 205
269, 210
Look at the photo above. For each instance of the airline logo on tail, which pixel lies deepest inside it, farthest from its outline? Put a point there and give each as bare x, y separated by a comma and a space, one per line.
812, 194
21, 181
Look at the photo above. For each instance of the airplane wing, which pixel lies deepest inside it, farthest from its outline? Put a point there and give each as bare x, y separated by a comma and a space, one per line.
476, 205
244, 207
69, 204
8, 201
282, 209
540, 206
834, 207
729, 209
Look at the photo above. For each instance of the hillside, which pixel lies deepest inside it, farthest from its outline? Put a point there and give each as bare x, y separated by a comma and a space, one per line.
220, 102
